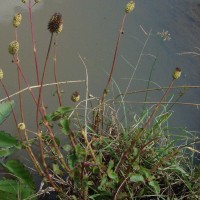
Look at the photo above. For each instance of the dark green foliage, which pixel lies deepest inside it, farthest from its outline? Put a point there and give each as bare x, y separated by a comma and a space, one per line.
61, 112
8, 144
16, 168
14, 190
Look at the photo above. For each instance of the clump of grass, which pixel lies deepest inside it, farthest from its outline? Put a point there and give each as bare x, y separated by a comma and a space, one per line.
101, 157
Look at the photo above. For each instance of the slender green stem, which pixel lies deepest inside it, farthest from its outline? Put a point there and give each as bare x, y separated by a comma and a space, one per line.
150, 75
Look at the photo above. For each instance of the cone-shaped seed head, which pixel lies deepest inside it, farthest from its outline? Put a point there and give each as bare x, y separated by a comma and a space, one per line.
55, 24
17, 20
176, 73
129, 7
13, 47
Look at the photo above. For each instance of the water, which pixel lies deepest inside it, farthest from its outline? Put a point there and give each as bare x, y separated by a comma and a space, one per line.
91, 29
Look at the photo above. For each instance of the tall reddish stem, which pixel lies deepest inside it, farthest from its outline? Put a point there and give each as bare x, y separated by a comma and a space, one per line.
33, 40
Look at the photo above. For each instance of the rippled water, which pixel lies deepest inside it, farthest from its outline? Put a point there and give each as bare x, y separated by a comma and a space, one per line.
90, 29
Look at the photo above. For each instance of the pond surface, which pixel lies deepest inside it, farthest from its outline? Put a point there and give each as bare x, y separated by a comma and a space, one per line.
90, 29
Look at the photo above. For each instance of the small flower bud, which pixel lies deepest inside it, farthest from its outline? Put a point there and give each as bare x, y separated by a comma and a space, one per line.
24, 1
1, 74
17, 20
75, 97
21, 126
55, 24
176, 73
129, 7
37, 1
13, 47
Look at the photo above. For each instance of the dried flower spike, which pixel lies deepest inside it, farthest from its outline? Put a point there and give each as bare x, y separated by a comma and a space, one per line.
1, 74
55, 24
177, 73
75, 97
17, 20
13, 47
21, 126
129, 7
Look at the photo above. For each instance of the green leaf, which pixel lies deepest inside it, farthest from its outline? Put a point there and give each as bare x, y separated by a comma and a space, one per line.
57, 170
65, 126
136, 178
67, 147
58, 114
111, 174
10, 186
6, 140
146, 172
102, 185
64, 110
155, 186
5, 110
179, 169
16, 168
7, 151
12, 189
8, 196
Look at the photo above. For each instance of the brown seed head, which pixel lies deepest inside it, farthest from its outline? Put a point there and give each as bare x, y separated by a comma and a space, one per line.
55, 23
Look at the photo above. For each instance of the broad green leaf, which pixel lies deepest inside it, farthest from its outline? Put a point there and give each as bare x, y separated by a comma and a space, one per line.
12, 189
5, 110
155, 186
10, 186
8, 196
16, 168
136, 178
6, 140
65, 126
